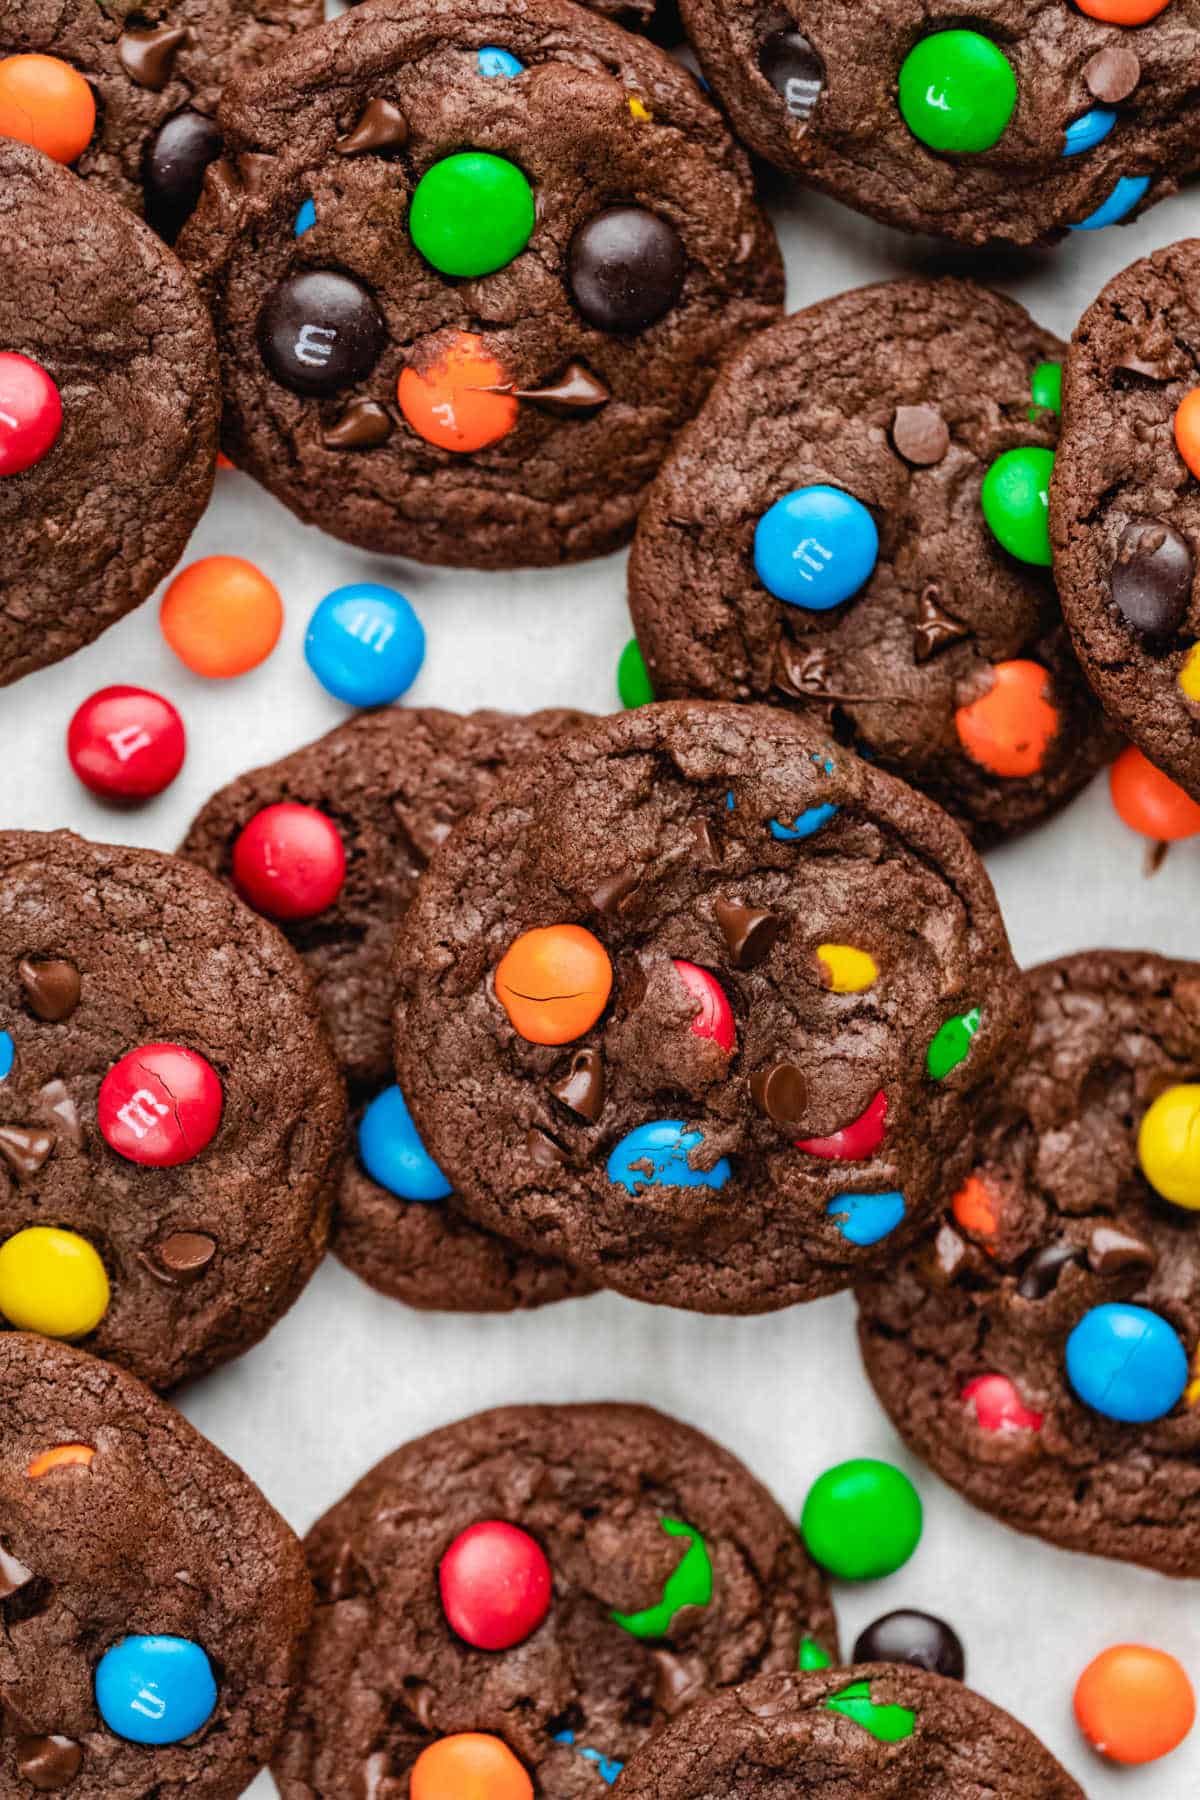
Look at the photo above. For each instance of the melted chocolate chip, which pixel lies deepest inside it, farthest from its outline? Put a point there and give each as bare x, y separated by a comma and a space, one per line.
48, 1763
582, 1088
364, 425
13, 1574
1113, 1252
935, 627
382, 128
577, 390
1112, 74
921, 435
57, 1105
320, 331
780, 1092
543, 1150
148, 57
1040, 1276
795, 71
626, 268
703, 846
677, 1682
611, 895
1152, 577
253, 168
185, 1256
917, 1638
750, 934
25, 1148
51, 988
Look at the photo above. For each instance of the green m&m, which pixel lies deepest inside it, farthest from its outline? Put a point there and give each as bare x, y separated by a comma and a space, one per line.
862, 1519
958, 92
1016, 503
471, 213
633, 678
1045, 390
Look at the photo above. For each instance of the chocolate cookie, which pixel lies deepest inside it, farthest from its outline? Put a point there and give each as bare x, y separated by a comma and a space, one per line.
1125, 507
876, 1730
538, 1588
1037, 1352
395, 782
998, 123
511, 285
699, 1002
108, 411
818, 537
155, 73
170, 1114
153, 1603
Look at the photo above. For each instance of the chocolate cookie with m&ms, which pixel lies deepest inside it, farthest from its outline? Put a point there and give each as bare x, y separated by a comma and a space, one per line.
855, 528
996, 123
1043, 1351
700, 1002
170, 1113
514, 1604
154, 1603
472, 266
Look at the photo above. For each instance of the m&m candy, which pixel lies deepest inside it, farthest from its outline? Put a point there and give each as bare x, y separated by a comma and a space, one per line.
8, 1054
160, 1105
1016, 503
471, 214
554, 983
1089, 130
155, 1690
126, 744
392, 1152
1134, 1704
289, 862
498, 65
862, 1520
320, 331
1169, 1145
1009, 730
626, 268
365, 644
452, 397
1127, 1363
847, 970
470, 1765
495, 1584
1128, 193
221, 616
1150, 802
633, 678
53, 1282
1187, 430
714, 1017
816, 547
30, 413
998, 1406
866, 1219
1123, 12
173, 169
958, 92
46, 103
659, 1154
918, 1638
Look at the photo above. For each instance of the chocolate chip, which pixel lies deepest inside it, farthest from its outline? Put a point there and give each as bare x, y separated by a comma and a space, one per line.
1040, 1276
949, 1255
364, 425
804, 673
677, 1682
320, 331
750, 934
185, 1256
1152, 577
921, 435
780, 1092
576, 390
57, 1105
24, 1148
382, 128
582, 1088
253, 168
13, 1574
148, 57
704, 845
543, 1150
935, 627
48, 1763
1112, 74
1113, 1252
795, 71
51, 988
626, 268
611, 895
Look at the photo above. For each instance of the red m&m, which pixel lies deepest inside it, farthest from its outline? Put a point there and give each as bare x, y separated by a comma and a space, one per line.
998, 1406
714, 1017
496, 1585
30, 411
126, 744
288, 862
160, 1105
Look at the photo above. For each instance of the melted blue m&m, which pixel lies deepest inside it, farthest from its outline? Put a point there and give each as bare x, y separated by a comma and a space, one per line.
306, 218
1127, 194
815, 547
155, 1690
866, 1218
365, 644
656, 1155
804, 825
495, 63
393, 1154
1127, 1363
8, 1054
1086, 132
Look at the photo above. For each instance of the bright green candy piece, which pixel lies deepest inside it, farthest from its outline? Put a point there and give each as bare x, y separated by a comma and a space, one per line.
952, 1044
471, 213
690, 1583
633, 681
1046, 389
958, 91
862, 1520
812, 1656
890, 1724
1016, 503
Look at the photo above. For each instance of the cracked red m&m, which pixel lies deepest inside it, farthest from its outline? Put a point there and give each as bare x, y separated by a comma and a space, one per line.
289, 862
30, 411
998, 1406
714, 1016
160, 1105
126, 744
495, 1584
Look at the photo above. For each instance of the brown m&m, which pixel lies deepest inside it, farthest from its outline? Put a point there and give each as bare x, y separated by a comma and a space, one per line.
626, 268
320, 331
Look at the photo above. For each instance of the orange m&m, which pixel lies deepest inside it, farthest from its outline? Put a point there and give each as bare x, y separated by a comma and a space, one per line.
469, 1766
974, 1208
1150, 802
63, 1456
1009, 729
554, 983
1134, 1704
221, 616
1187, 431
446, 401
46, 103
1123, 12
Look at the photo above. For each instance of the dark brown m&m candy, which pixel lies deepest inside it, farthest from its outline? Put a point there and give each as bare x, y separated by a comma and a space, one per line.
1152, 577
626, 268
320, 331
913, 1637
173, 170
795, 71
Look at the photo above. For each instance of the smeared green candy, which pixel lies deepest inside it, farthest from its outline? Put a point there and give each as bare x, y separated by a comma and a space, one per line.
812, 1656
890, 1724
690, 1583
952, 1044
633, 680
1046, 390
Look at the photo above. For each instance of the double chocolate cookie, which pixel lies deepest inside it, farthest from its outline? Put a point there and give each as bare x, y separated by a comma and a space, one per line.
854, 527
170, 1114
395, 782
472, 266
699, 1002
877, 1731
108, 411
153, 1604
127, 95
1037, 1353
1125, 505
995, 123
531, 1593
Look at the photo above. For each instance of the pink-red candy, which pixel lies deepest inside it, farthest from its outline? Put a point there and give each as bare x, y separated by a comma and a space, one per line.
289, 861
496, 1585
856, 1141
715, 1016
30, 413
998, 1406
126, 744
160, 1105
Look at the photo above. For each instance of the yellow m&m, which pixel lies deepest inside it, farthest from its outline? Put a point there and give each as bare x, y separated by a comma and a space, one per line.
847, 970
1169, 1145
52, 1282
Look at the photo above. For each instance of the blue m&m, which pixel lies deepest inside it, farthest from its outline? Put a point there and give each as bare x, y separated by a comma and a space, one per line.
1127, 1363
656, 1155
365, 644
8, 1054
1128, 193
155, 1690
815, 547
499, 64
393, 1154
866, 1218
1091, 129
306, 218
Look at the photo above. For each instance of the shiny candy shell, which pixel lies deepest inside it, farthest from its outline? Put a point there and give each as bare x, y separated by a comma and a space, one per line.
626, 268
633, 679
46, 102
1127, 1363
470, 1765
998, 1406
815, 547
496, 64
1128, 193
554, 983
958, 92
1169, 1145
449, 398
30, 413
1134, 1704
1009, 730
656, 1155
289, 862
866, 1219
126, 744
8, 1054
862, 1520
495, 1584
155, 1690
320, 331
52, 1282
1016, 503
471, 214
174, 168
917, 1638
1089, 130
714, 1016
365, 644
160, 1105
392, 1152
1149, 802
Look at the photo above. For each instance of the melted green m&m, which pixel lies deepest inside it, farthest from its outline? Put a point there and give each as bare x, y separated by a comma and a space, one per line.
1016, 503
812, 1656
471, 214
690, 1583
1045, 390
958, 92
633, 677
951, 1044
890, 1724
861, 1520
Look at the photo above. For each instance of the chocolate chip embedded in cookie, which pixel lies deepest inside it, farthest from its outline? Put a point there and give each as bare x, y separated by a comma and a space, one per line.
699, 1002
855, 528
465, 299
531, 1593
154, 1603
1042, 1352
997, 123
